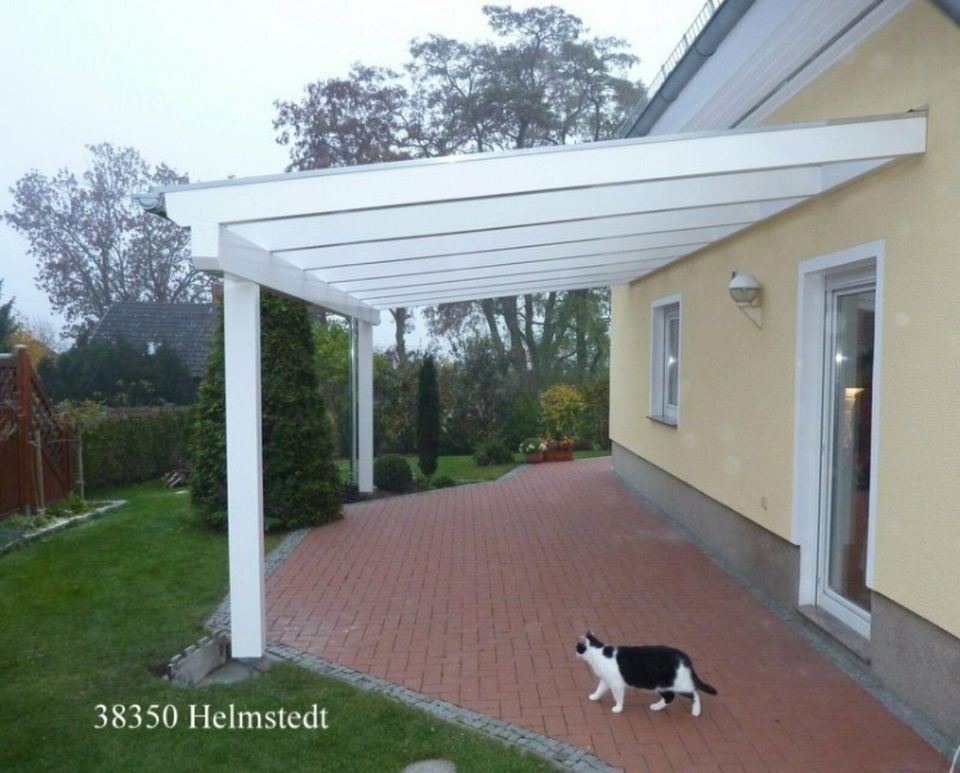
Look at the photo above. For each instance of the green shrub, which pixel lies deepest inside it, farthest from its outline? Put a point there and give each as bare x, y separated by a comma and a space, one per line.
392, 473
300, 482
563, 409
129, 445
428, 417
492, 451
443, 481
522, 419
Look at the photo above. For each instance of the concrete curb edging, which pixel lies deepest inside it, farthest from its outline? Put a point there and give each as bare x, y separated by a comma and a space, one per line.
62, 523
565, 755
219, 620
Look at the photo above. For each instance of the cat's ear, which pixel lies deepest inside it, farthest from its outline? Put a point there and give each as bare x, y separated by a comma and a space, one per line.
589, 634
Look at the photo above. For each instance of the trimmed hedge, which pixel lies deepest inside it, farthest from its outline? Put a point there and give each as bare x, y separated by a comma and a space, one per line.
492, 451
129, 445
392, 473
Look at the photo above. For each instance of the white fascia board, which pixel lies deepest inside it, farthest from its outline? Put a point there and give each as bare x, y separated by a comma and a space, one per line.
513, 285
239, 257
452, 266
574, 167
539, 208
433, 299
594, 262
787, 89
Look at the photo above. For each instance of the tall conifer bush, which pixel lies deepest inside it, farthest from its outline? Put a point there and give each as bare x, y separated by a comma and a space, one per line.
300, 483
428, 417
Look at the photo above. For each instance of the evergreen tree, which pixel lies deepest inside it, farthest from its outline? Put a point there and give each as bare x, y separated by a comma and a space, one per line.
118, 374
300, 483
7, 323
428, 417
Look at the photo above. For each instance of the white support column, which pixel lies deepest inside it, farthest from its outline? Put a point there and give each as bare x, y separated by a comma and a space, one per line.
241, 327
365, 405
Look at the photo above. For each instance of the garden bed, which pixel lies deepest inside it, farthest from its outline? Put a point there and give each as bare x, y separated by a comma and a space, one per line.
18, 530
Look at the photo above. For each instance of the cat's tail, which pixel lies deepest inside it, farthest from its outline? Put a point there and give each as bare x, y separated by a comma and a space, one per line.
701, 685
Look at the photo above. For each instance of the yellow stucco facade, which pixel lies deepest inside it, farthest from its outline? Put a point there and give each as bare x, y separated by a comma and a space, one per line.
735, 436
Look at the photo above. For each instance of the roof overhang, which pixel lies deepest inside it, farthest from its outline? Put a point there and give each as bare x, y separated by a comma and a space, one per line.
359, 239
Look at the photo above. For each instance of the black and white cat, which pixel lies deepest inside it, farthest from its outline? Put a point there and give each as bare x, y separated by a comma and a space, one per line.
662, 669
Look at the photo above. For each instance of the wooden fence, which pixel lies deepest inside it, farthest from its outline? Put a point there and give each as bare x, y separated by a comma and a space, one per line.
34, 449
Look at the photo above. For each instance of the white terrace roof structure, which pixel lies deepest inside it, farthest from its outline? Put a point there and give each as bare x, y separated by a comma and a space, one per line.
359, 239
362, 239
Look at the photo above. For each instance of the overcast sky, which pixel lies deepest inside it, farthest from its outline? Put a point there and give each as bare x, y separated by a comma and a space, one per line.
192, 83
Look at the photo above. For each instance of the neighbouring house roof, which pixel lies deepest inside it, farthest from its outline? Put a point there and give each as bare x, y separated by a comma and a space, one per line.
356, 240
187, 328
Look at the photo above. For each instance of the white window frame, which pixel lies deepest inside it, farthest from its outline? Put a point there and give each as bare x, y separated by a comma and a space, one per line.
661, 310
808, 420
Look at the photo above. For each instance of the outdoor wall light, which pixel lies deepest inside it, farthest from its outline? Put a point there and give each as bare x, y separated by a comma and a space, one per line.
745, 291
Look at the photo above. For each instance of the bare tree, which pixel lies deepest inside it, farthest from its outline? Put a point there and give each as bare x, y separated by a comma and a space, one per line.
94, 246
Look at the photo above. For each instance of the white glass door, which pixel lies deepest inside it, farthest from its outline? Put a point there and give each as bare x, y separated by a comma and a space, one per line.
846, 460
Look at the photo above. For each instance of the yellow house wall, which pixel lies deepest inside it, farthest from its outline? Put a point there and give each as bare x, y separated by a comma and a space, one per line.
735, 436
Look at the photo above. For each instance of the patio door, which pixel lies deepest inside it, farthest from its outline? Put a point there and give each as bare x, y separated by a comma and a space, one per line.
849, 333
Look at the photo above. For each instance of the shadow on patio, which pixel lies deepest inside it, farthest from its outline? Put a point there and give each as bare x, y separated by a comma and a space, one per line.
476, 595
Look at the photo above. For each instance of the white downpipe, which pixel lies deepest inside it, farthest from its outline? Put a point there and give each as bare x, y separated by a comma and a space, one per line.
241, 328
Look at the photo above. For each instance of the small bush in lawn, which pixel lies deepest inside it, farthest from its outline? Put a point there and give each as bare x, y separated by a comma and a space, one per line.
492, 451
392, 473
444, 481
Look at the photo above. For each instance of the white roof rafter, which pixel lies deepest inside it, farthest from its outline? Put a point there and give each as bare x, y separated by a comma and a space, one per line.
360, 239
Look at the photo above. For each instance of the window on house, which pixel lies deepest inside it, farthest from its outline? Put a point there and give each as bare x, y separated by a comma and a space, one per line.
665, 370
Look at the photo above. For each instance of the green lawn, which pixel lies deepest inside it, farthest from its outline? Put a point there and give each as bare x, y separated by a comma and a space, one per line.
463, 469
85, 613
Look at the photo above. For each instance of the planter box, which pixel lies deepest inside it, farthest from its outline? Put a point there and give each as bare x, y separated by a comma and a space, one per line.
534, 458
558, 455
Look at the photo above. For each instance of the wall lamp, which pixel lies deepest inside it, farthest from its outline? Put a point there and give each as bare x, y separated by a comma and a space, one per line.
745, 291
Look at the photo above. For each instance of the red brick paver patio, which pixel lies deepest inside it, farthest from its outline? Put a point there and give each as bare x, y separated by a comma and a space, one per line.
476, 595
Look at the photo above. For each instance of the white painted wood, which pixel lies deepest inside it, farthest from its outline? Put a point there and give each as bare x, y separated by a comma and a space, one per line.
509, 212
567, 168
244, 259
559, 268
662, 228
241, 328
365, 406
564, 255
580, 283
876, 19
758, 61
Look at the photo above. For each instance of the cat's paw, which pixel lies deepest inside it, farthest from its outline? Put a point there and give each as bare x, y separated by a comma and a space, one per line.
696, 710
595, 696
618, 709
659, 705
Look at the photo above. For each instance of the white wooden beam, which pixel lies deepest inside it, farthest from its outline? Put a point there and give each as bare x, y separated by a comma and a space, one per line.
509, 263
241, 333
660, 229
365, 406
507, 289
566, 167
249, 261
539, 272
509, 212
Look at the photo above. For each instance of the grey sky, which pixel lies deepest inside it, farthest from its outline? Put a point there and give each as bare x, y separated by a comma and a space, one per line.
193, 83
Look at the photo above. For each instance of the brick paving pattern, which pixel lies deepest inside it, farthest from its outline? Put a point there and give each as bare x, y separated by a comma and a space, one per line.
476, 595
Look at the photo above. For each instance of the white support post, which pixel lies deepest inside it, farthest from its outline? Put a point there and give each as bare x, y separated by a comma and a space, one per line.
365, 405
241, 328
